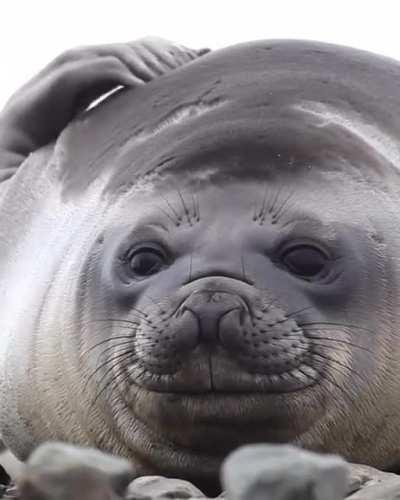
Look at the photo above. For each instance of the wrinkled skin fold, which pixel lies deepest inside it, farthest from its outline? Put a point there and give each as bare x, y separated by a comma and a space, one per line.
211, 260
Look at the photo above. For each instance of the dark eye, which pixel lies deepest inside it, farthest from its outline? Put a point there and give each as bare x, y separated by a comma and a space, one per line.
304, 260
145, 262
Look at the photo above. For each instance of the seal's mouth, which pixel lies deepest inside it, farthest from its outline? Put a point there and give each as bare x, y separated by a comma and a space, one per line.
218, 338
217, 372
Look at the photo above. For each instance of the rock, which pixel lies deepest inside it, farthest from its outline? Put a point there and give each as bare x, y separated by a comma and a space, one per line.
83, 483
10, 494
4, 477
9, 462
362, 475
389, 489
369, 483
158, 487
283, 472
56, 471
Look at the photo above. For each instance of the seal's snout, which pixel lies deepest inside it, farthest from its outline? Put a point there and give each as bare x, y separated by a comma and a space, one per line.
211, 310
214, 340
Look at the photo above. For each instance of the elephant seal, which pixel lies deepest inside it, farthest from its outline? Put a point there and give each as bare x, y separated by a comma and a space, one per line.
209, 260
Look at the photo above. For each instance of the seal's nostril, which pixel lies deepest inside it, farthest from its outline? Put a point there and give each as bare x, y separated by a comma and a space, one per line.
242, 316
210, 307
182, 310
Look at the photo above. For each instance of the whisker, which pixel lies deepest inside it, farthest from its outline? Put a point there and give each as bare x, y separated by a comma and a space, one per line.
118, 370
124, 354
110, 383
333, 360
341, 325
332, 381
154, 302
275, 200
294, 313
174, 212
190, 266
280, 211
243, 268
194, 208
198, 208
273, 301
185, 209
264, 202
98, 344
174, 221
120, 320
255, 215
115, 347
341, 341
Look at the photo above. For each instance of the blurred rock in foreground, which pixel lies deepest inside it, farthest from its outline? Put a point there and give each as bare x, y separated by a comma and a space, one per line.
58, 471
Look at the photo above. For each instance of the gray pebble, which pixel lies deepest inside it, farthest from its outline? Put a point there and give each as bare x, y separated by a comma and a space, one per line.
372, 484
158, 487
283, 472
56, 471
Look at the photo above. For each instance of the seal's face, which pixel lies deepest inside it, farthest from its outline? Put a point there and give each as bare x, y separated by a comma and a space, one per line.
221, 316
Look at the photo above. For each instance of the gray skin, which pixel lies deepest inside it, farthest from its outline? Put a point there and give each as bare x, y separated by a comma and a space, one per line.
209, 260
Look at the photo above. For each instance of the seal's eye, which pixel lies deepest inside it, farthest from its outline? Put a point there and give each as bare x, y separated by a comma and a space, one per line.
145, 261
304, 260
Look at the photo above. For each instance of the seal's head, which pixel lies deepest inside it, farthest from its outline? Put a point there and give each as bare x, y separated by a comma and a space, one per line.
211, 261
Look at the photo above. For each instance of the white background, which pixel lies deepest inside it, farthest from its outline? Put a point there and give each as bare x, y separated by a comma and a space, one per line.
32, 32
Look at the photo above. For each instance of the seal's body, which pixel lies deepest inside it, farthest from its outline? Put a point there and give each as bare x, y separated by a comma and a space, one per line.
211, 260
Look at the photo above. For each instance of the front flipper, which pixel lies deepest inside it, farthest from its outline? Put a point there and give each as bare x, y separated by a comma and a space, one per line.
37, 113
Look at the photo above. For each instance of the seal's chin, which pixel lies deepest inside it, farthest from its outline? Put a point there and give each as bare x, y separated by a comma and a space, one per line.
209, 403
215, 371
214, 423
216, 365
